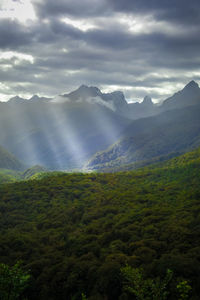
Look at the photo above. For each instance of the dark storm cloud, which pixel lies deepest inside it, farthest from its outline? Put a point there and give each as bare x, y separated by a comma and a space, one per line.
164, 51
84, 8
13, 34
179, 11
182, 11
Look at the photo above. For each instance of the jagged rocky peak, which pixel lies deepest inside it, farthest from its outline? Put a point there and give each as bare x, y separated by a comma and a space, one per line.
118, 95
83, 92
189, 95
114, 100
117, 98
191, 86
191, 89
147, 100
89, 89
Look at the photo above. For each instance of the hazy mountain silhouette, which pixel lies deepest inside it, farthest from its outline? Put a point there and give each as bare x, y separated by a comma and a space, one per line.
189, 95
65, 131
58, 135
171, 131
9, 161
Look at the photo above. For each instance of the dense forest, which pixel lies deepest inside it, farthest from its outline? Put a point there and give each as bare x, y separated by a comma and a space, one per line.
76, 233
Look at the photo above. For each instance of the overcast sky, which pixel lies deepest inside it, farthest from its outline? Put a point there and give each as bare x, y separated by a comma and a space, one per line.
140, 47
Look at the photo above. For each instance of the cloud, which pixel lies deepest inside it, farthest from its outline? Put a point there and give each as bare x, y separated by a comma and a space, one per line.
13, 34
137, 46
84, 8
177, 11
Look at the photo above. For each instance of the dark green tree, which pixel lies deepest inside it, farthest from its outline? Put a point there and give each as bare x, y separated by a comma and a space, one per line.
184, 289
145, 289
13, 281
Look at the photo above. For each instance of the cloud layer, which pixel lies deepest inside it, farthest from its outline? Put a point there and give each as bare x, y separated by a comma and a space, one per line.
140, 47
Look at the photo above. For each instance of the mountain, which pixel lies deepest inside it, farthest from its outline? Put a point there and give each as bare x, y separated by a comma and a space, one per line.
58, 135
27, 174
9, 161
35, 98
189, 95
17, 100
66, 131
115, 100
145, 139
140, 110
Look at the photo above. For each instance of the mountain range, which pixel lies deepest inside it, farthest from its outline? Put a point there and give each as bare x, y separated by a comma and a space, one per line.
88, 128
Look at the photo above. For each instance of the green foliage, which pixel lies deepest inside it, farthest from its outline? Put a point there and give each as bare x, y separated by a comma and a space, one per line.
76, 231
83, 296
32, 171
145, 289
184, 289
9, 176
13, 281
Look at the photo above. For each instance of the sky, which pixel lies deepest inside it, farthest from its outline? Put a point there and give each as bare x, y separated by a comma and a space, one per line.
141, 47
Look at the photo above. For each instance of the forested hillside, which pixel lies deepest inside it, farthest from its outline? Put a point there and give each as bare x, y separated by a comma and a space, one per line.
75, 232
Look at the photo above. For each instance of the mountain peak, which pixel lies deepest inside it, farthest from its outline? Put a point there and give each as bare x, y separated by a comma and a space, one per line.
189, 95
83, 87
147, 100
34, 97
16, 100
83, 92
192, 85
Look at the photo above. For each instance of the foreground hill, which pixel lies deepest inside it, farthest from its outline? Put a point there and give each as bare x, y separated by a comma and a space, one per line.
74, 232
35, 172
145, 139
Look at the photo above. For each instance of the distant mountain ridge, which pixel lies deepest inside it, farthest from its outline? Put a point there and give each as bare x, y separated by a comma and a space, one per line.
66, 131
114, 100
189, 95
34, 98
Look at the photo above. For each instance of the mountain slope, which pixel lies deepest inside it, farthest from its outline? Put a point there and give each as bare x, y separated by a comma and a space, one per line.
189, 95
76, 231
141, 110
144, 139
65, 134
9, 161
58, 135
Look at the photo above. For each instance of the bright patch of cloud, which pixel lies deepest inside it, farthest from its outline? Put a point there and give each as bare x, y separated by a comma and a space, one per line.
19, 56
139, 24
82, 25
21, 10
